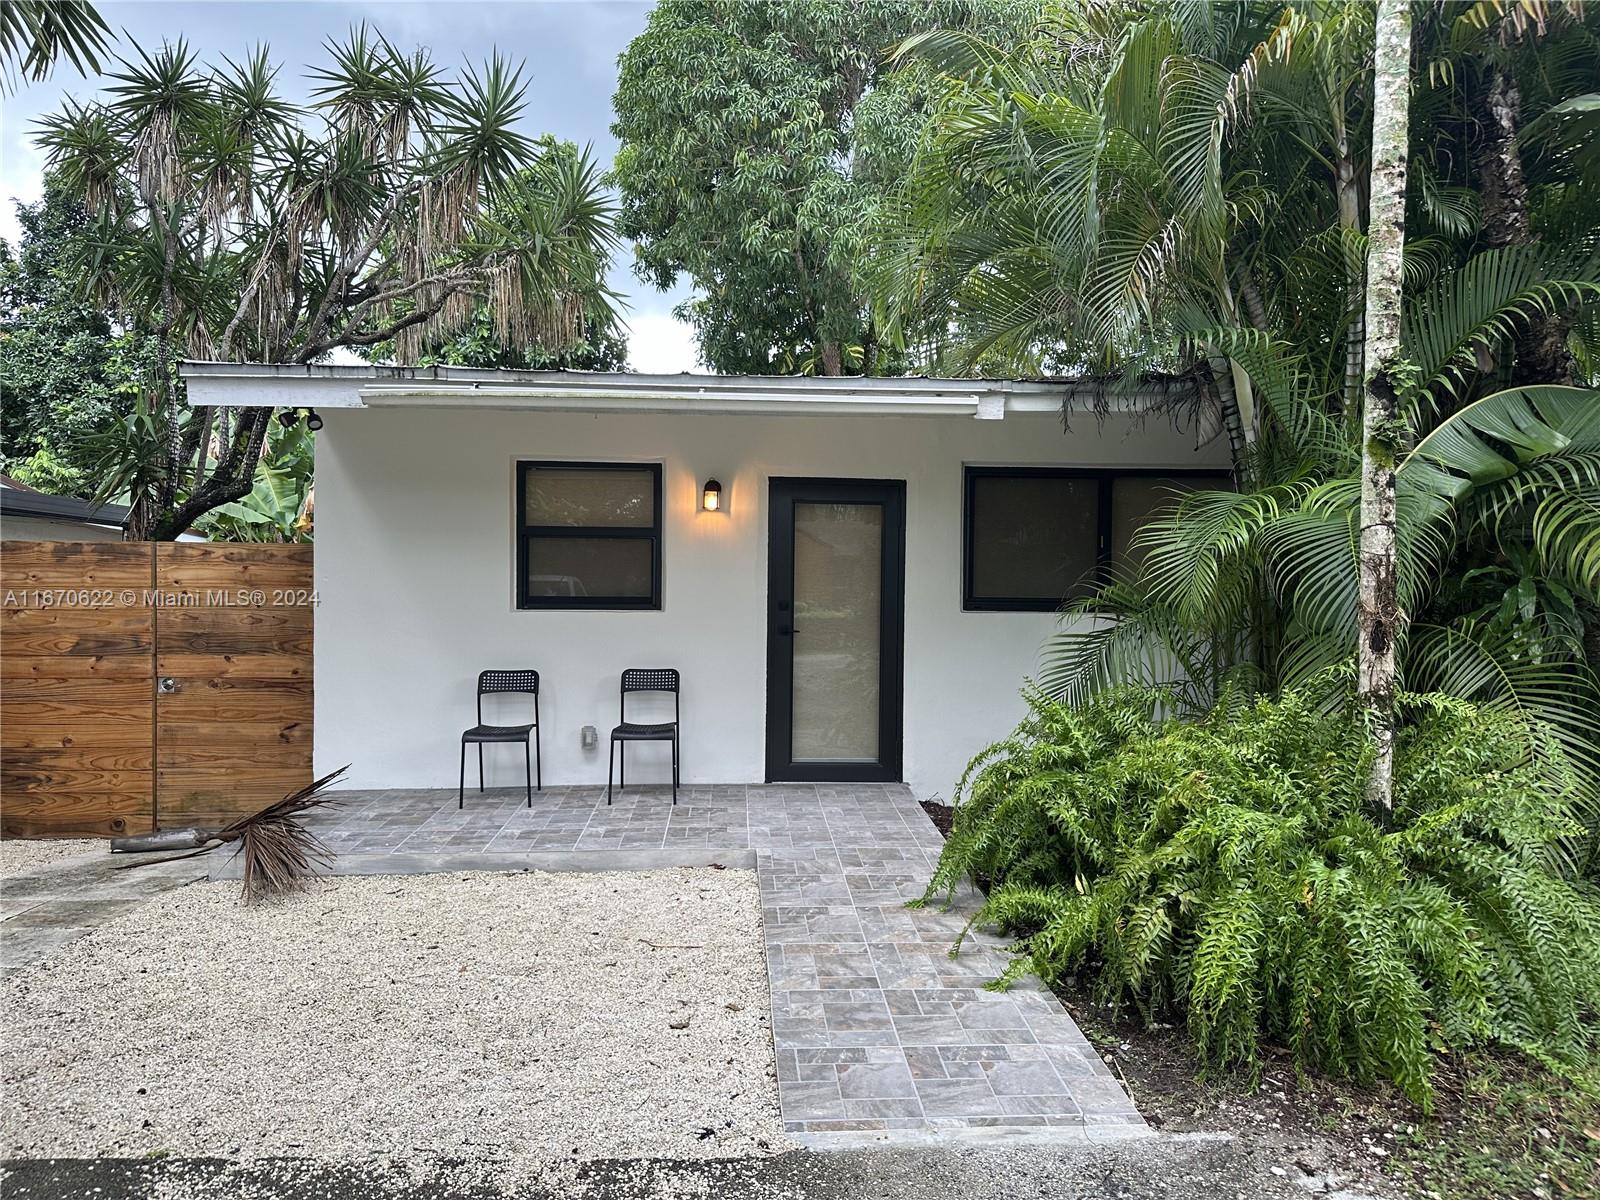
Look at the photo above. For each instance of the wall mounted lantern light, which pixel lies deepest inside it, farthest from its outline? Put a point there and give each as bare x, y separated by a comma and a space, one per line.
711, 498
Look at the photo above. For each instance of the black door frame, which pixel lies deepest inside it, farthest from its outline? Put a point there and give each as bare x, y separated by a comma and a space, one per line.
783, 493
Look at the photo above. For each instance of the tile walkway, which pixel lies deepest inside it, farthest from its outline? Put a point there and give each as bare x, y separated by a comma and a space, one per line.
878, 1033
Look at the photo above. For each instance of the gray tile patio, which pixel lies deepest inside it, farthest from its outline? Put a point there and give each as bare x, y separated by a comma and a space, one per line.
878, 1033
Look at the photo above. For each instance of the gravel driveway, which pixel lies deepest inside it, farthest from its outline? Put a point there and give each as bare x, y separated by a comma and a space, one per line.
510, 1017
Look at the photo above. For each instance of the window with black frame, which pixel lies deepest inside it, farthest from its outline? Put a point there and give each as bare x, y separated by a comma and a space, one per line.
1035, 538
588, 535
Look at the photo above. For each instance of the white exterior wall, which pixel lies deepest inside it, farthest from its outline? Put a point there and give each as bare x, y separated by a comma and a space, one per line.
414, 565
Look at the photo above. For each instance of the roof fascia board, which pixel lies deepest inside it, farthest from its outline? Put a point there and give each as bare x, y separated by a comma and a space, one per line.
248, 385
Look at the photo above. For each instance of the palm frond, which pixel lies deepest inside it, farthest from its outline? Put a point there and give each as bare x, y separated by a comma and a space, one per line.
279, 852
1473, 309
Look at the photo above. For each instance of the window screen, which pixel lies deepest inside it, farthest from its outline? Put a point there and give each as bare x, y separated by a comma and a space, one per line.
1037, 537
1033, 538
1137, 498
589, 535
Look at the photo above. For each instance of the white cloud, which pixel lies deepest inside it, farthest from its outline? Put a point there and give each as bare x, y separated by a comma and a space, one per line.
660, 344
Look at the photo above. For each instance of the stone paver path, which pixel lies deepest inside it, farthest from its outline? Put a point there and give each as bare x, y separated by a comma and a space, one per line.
47, 907
878, 1032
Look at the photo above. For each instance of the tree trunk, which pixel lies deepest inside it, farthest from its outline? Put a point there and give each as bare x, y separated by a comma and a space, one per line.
141, 517
232, 479
1232, 420
1348, 193
1382, 432
172, 406
1542, 355
1505, 191
1250, 300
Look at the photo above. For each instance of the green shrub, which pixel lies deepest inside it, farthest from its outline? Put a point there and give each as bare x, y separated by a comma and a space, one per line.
1227, 872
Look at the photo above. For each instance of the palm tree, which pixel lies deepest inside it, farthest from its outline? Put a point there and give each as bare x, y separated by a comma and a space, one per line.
1381, 621
1181, 189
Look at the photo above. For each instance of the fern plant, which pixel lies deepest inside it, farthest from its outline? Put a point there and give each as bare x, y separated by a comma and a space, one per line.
1224, 871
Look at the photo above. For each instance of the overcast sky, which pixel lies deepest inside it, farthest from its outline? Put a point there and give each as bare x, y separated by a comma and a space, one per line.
570, 48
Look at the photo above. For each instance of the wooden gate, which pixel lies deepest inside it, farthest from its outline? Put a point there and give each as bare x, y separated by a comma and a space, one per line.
151, 685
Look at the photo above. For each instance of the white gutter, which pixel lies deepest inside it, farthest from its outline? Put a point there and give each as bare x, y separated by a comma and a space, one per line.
655, 401
247, 385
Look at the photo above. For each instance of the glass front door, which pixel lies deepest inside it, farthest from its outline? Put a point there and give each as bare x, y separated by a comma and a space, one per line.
834, 630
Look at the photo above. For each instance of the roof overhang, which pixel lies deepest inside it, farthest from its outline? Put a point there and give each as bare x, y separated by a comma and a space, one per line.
19, 501
247, 385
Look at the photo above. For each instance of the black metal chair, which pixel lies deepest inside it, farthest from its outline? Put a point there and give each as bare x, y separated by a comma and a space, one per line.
490, 683
639, 679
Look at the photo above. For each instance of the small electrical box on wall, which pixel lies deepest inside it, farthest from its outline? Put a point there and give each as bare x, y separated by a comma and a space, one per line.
590, 737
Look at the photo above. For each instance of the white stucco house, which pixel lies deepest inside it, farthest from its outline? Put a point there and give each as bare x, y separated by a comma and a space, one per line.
853, 576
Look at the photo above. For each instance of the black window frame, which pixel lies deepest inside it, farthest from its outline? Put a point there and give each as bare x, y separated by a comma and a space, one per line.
1104, 478
525, 533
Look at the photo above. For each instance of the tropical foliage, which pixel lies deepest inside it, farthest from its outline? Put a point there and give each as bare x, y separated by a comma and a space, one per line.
1180, 188
278, 508
1227, 871
35, 34
237, 226
757, 143
560, 183
68, 369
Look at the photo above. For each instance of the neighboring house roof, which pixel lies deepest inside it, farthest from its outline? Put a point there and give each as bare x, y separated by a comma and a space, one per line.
20, 500
250, 385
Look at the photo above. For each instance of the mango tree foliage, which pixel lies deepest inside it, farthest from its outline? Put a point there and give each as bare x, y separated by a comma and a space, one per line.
758, 141
68, 368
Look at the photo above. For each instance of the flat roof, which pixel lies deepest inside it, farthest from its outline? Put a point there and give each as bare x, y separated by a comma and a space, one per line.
249, 385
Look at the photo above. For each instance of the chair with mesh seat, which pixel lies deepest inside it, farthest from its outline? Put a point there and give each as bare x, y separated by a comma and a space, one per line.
638, 679
509, 682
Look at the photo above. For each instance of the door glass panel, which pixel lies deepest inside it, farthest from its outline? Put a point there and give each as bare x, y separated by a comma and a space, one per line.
838, 607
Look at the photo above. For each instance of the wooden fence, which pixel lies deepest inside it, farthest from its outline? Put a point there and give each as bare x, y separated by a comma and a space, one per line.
150, 685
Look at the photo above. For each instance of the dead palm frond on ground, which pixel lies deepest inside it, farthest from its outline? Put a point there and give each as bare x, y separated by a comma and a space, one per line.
278, 851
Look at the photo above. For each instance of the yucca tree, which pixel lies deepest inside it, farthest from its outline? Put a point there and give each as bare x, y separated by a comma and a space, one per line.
1182, 188
237, 226
35, 34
